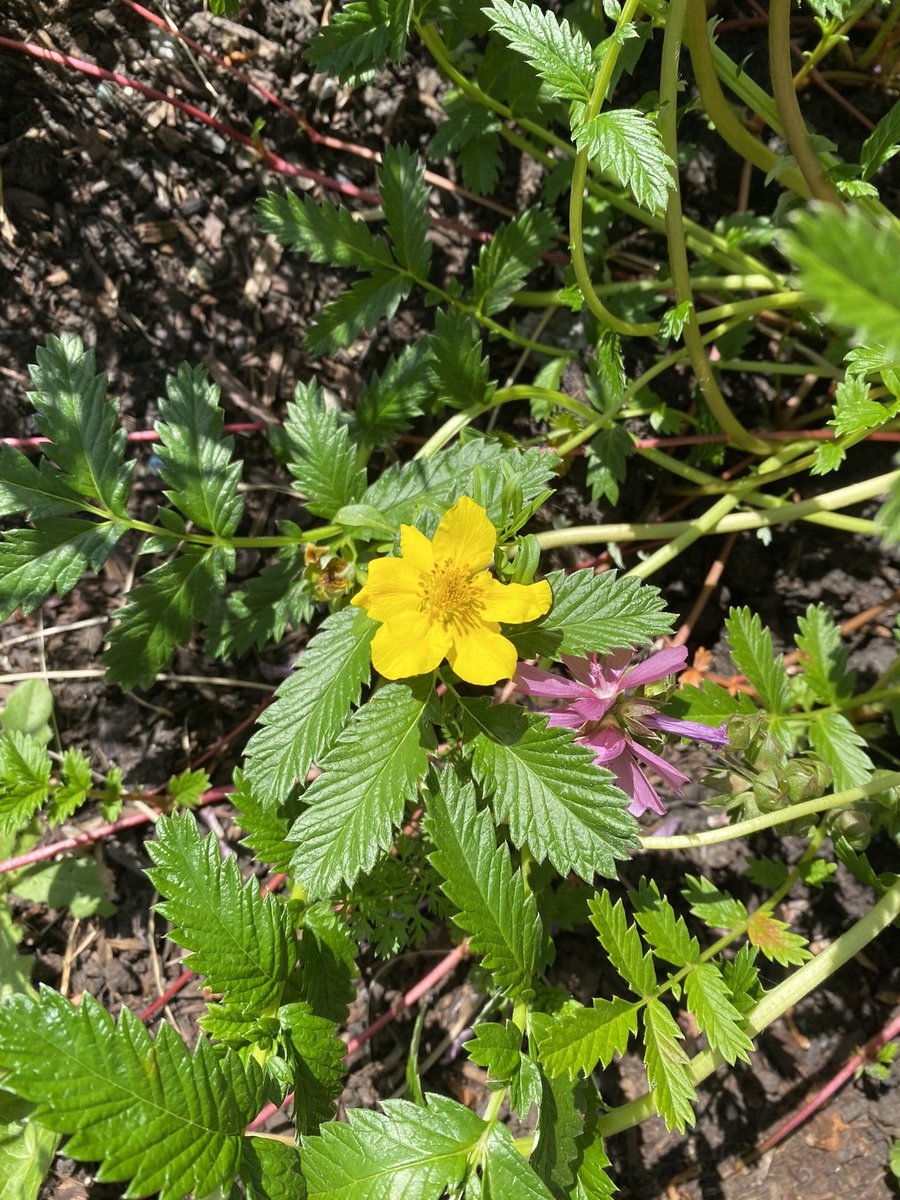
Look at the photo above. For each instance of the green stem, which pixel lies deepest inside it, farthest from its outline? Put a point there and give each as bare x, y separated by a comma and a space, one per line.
743, 829
749, 308
214, 539
788, 106
773, 1005
678, 258
700, 283
829, 40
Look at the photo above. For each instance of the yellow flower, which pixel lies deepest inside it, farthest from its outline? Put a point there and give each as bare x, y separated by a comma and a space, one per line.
438, 601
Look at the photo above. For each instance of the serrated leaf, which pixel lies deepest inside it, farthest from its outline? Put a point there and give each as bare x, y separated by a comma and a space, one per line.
26, 1152
509, 257
34, 491
855, 413
318, 1061
582, 1037
51, 558
622, 943
840, 257
310, 707
326, 233
505, 1172
709, 704
24, 780
776, 941
389, 401
494, 907
838, 744
715, 908
404, 198
459, 367
270, 1170
367, 778
328, 963
668, 1067
81, 886
72, 409
882, 143
559, 1128
403, 1151
549, 792
498, 1048
77, 781
829, 456
320, 455
561, 55
824, 657
241, 941
147, 1111
471, 133
594, 614
357, 39
432, 485
195, 459
627, 143
258, 613
751, 649
265, 826
358, 309
742, 979
606, 456
667, 933
160, 614
708, 997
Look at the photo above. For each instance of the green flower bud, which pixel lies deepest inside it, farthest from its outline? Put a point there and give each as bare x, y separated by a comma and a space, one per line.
742, 728
854, 827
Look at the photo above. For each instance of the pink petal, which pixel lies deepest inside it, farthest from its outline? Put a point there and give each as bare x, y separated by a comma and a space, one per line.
715, 735
633, 782
535, 682
657, 666
581, 668
607, 744
592, 708
565, 718
669, 774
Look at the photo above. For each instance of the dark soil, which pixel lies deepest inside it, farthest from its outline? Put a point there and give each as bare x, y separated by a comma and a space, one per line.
134, 228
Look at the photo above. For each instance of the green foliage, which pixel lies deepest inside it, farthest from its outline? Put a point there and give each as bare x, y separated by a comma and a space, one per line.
259, 612
509, 257
582, 1037
28, 709
627, 143
607, 456
495, 910
472, 134
147, 1111
882, 143
24, 780
389, 401
667, 1067
81, 886
404, 195
498, 1048
320, 455
824, 657
35, 491
52, 558
622, 943
837, 743
751, 649
367, 778
459, 367
560, 55
357, 39
358, 309
242, 942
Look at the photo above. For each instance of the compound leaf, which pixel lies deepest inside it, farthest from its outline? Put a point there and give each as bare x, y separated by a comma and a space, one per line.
838, 744
666, 933
35, 491
25, 773
823, 656
51, 558
622, 943
708, 997
147, 1111
459, 366
357, 39
389, 401
561, 55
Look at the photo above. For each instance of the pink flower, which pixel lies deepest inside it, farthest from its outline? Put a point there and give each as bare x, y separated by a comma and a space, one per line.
616, 726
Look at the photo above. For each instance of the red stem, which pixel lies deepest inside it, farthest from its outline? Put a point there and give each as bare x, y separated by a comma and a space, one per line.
138, 435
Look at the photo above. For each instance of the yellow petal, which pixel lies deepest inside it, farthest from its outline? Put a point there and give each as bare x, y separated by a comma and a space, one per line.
411, 644
513, 603
466, 536
416, 549
394, 587
482, 655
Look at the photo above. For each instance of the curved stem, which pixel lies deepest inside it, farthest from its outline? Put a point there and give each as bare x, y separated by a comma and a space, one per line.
788, 106
678, 260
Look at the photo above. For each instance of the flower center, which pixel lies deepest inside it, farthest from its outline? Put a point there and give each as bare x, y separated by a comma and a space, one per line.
447, 593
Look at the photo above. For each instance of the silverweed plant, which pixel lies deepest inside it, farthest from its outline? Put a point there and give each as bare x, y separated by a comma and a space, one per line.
390, 781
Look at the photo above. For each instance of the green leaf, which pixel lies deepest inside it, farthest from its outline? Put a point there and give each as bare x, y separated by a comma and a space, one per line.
311, 706
559, 1128
196, 460
838, 744
708, 997
15, 968
606, 456
148, 1112
751, 649
367, 778
265, 826
854, 413
77, 781
668, 1067
840, 258
51, 558
403, 1151
549, 792
594, 614
404, 197
358, 309
882, 143
258, 613
270, 1170
318, 1061
561, 56
356, 40
35, 491
327, 962
25, 773
742, 979
389, 401
81, 886
495, 909
498, 1048
459, 367
471, 134
823, 656
241, 941
622, 943
26, 1152
667, 934
710, 704
509, 257
321, 456
715, 908
160, 614
28, 709
326, 233
74, 412
185, 790
582, 1037
505, 1172
627, 143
